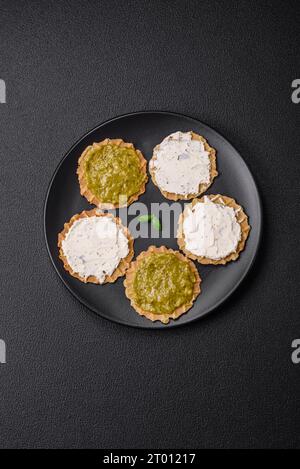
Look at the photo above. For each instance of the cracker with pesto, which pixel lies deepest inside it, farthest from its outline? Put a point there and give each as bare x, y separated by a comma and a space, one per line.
112, 173
162, 284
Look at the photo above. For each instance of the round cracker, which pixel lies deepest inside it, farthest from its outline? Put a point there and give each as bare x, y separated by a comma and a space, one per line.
130, 275
203, 186
123, 264
89, 195
241, 217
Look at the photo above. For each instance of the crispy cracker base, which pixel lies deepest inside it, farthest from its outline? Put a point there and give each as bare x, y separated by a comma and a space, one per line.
124, 263
130, 275
241, 218
202, 187
92, 198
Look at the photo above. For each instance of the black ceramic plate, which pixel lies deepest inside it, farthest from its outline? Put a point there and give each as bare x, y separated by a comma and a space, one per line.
145, 130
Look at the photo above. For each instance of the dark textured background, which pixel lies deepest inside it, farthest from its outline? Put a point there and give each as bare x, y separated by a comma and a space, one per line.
74, 379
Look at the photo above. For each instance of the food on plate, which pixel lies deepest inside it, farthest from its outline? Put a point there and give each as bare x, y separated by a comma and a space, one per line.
112, 173
95, 247
162, 284
183, 165
213, 229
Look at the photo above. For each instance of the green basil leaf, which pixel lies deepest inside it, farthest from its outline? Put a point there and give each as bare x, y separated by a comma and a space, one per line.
144, 218
156, 223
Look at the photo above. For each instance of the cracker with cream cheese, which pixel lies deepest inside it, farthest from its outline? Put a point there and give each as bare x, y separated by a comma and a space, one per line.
183, 166
82, 263
206, 237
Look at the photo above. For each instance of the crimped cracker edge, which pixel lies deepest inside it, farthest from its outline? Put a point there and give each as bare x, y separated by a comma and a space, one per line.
92, 198
128, 283
124, 263
202, 187
242, 219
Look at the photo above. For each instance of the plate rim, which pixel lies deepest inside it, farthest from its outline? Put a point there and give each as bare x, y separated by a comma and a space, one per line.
172, 324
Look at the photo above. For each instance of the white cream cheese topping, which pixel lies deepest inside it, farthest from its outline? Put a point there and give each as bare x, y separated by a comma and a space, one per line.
181, 164
95, 246
211, 230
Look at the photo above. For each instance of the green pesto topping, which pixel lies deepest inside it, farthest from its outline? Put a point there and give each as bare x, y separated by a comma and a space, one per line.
163, 283
112, 171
